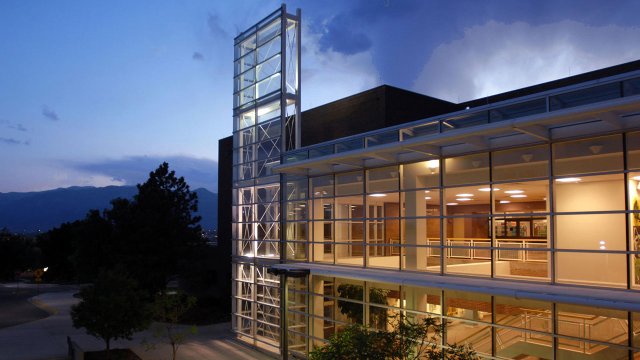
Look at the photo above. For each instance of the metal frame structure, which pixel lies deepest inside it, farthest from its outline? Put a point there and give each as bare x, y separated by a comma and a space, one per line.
266, 115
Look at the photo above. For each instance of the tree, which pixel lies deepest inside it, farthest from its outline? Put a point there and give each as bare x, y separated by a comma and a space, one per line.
158, 224
112, 308
410, 339
169, 310
17, 253
353, 311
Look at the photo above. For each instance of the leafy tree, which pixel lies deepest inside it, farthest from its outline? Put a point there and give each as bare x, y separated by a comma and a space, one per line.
169, 310
353, 311
156, 230
410, 339
17, 253
112, 308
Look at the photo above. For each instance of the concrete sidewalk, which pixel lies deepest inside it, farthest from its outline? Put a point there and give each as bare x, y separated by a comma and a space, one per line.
47, 338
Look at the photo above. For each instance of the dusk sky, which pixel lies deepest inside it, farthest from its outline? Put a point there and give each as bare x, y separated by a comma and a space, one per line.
96, 93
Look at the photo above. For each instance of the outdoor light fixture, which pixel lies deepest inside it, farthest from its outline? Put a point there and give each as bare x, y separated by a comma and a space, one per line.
514, 191
568, 180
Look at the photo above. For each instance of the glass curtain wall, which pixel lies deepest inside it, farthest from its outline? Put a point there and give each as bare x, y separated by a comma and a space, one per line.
266, 110
563, 213
498, 326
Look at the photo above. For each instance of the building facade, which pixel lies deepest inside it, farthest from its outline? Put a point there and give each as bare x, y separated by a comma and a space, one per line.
514, 219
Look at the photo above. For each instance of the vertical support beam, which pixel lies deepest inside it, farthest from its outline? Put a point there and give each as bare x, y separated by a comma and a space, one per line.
298, 142
284, 335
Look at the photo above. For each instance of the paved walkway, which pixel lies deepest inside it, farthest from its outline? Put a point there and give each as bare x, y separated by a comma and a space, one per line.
47, 338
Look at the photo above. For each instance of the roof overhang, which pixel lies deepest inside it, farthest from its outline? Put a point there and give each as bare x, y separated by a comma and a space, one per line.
588, 296
598, 118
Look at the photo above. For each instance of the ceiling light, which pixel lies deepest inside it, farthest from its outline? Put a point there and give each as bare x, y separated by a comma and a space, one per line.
464, 195
433, 164
427, 197
514, 191
427, 191
504, 201
568, 180
464, 199
378, 195
636, 178
519, 196
452, 204
487, 189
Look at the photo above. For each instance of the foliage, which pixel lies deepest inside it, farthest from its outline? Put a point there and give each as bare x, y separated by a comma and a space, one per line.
169, 309
353, 310
17, 253
410, 339
152, 236
112, 308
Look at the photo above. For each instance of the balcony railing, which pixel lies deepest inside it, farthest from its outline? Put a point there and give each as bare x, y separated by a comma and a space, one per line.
547, 102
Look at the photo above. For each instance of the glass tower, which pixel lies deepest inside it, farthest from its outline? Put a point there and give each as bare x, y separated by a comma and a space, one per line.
266, 112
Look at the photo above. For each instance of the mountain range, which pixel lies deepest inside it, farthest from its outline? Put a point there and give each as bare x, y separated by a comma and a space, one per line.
31, 212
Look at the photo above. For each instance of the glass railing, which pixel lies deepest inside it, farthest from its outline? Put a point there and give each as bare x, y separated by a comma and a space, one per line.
531, 105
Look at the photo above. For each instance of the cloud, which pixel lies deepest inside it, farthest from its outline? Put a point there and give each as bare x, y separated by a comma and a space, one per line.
213, 23
329, 75
198, 172
18, 127
197, 56
497, 57
49, 113
10, 141
340, 35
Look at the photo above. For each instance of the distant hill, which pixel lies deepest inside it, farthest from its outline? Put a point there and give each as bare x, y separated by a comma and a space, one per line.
43, 210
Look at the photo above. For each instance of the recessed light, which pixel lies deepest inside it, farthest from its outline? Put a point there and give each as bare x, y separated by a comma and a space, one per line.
487, 189
452, 204
636, 178
378, 195
464, 195
568, 180
427, 191
504, 201
463, 199
514, 191
427, 197
519, 196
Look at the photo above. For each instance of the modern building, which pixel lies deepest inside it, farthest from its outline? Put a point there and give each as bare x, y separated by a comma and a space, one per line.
514, 219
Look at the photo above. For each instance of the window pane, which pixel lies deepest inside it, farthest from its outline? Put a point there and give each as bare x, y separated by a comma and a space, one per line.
423, 174
349, 183
593, 269
322, 186
519, 164
589, 193
467, 200
587, 156
633, 150
269, 49
585, 96
466, 169
518, 110
466, 120
383, 179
